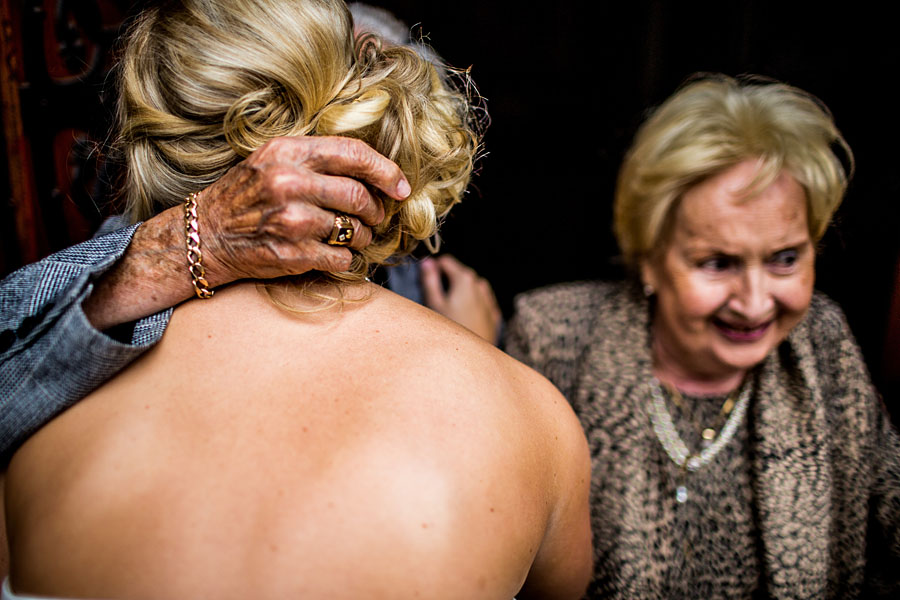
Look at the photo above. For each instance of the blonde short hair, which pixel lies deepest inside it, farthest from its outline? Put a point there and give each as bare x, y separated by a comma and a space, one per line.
204, 83
711, 124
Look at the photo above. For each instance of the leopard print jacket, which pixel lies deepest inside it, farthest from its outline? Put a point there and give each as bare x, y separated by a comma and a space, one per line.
824, 460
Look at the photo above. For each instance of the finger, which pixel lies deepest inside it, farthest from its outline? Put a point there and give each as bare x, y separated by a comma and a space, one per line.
485, 291
342, 194
331, 259
362, 235
355, 158
432, 288
490, 299
454, 270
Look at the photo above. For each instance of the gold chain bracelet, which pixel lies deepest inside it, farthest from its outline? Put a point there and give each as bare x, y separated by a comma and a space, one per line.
192, 242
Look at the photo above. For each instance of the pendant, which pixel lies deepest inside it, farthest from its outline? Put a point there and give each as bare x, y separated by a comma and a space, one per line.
681, 494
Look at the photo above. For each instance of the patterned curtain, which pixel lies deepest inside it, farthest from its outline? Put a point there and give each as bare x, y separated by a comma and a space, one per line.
58, 105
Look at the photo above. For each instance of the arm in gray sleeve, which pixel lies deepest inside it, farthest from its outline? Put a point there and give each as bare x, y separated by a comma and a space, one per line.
50, 354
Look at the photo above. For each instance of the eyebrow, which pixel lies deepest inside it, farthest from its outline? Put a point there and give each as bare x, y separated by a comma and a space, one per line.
705, 248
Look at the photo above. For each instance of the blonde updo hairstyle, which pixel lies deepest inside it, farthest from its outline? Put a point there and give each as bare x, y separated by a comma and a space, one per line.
204, 83
711, 124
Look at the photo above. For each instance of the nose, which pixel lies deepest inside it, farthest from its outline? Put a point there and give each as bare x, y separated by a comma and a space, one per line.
751, 299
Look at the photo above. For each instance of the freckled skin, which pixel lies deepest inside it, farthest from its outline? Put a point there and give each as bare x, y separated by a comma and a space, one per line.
735, 277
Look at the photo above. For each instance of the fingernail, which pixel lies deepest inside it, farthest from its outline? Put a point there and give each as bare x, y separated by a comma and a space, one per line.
403, 188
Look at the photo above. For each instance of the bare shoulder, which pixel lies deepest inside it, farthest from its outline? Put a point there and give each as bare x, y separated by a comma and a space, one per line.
543, 431
471, 375
451, 351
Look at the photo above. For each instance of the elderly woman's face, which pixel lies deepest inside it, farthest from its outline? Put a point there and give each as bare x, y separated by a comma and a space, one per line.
736, 277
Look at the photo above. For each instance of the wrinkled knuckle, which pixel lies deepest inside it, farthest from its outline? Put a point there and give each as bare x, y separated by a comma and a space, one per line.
304, 183
270, 179
314, 153
279, 142
352, 147
286, 182
269, 144
358, 198
262, 169
360, 152
296, 220
289, 218
269, 147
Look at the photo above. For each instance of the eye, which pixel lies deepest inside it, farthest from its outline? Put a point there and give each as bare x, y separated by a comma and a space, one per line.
717, 263
785, 259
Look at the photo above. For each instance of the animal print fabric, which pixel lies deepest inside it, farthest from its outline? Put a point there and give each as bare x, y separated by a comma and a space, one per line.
803, 503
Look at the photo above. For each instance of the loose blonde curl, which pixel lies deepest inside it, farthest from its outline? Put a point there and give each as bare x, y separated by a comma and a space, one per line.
204, 83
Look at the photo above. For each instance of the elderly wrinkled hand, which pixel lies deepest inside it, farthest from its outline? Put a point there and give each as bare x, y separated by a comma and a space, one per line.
271, 215
469, 299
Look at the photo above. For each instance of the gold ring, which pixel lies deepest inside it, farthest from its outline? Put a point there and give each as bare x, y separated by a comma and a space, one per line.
342, 232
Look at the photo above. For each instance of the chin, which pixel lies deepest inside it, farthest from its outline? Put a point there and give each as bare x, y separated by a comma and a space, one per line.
746, 357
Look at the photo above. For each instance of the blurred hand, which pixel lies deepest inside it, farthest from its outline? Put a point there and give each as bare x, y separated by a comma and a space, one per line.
270, 214
469, 299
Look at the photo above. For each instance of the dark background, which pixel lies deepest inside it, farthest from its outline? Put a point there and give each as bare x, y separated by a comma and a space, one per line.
566, 86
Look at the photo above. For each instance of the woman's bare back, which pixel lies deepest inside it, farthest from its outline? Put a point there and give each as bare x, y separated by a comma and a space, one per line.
376, 451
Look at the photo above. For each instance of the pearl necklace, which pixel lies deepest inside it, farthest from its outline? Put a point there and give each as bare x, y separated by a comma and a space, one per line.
673, 444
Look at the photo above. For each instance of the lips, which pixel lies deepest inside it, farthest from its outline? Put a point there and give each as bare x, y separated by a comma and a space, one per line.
742, 333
